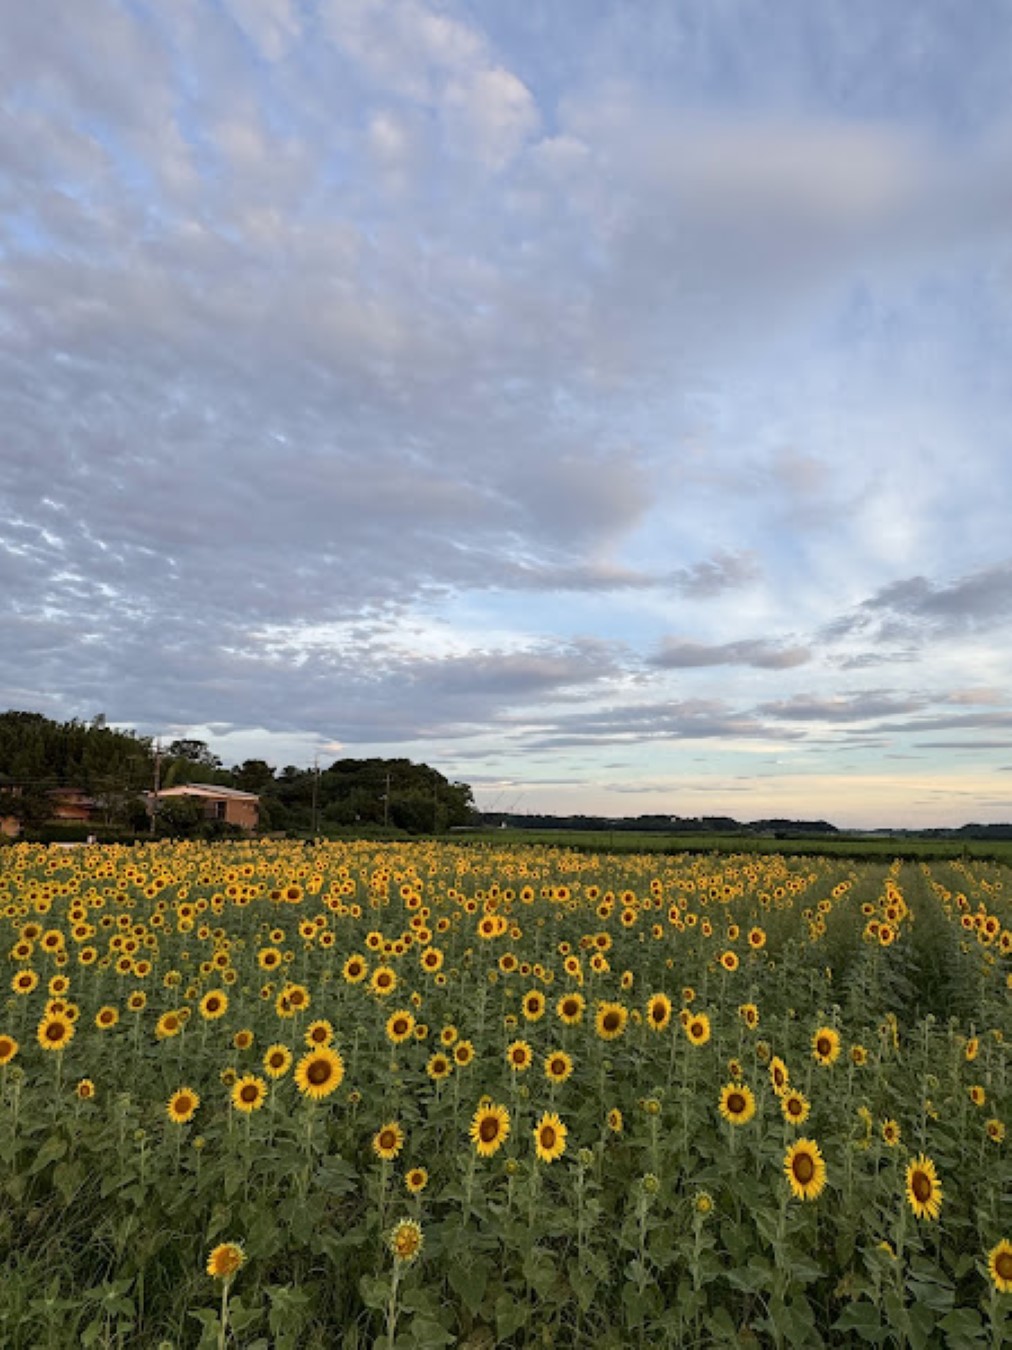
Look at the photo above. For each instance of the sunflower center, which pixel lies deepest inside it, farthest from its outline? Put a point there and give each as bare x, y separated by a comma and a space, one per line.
318, 1073
55, 1032
611, 1021
696, 1029
823, 1045
388, 1139
736, 1103
921, 1186
183, 1105
657, 1012
803, 1167
548, 1136
249, 1093
1003, 1265
793, 1106
488, 1129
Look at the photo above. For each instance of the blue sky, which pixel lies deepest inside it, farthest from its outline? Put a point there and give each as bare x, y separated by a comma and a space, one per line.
605, 402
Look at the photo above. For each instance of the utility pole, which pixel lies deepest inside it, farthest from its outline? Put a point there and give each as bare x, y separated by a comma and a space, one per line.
316, 780
158, 778
386, 803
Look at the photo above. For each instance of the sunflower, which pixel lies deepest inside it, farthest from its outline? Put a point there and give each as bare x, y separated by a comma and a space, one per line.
550, 1137
269, 958
463, 1053
826, 1046
697, 1028
558, 1066
243, 1038
214, 1004
400, 1026
168, 1025
383, 981
658, 1012
999, 1265
737, 1103
924, 1191
406, 1241
534, 1005
729, 960
388, 1141
749, 1014
858, 1056
615, 1121
794, 1106
440, 1066
320, 1032
319, 1072
8, 1049
106, 1017
225, 1260
249, 1093
977, 1095
610, 1020
995, 1130
24, 981
519, 1056
490, 1126
416, 1180
55, 1031
805, 1169
355, 970
891, 1132
277, 1060
182, 1105
971, 1048
756, 938
570, 1008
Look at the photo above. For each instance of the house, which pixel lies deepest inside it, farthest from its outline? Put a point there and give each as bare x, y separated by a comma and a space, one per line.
66, 805
219, 803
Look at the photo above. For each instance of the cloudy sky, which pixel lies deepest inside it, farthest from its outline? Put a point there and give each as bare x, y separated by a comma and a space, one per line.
607, 402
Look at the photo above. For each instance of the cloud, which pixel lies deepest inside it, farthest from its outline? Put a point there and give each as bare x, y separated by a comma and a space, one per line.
683, 654
858, 707
916, 607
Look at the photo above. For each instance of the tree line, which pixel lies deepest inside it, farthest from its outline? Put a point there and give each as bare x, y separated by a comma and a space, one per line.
115, 768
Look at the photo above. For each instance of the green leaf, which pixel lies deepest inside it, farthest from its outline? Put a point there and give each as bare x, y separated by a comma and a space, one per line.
54, 1147
862, 1317
469, 1279
510, 1315
375, 1291
428, 1334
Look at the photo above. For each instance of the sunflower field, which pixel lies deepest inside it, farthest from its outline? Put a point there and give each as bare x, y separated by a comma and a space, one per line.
421, 1095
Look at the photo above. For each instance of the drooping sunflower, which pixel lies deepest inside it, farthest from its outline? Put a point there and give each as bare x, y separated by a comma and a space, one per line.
737, 1103
225, 1260
999, 1265
558, 1066
805, 1169
658, 1012
570, 1008
924, 1191
794, 1106
55, 1031
388, 1141
697, 1028
977, 1094
550, 1137
8, 1049
277, 1060
249, 1093
406, 1241
995, 1130
610, 1020
400, 1026
182, 1105
826, 1046
319, 1072
320, 1032
490, 1127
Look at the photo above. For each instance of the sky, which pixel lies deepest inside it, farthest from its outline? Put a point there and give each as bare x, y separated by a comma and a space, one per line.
607, 403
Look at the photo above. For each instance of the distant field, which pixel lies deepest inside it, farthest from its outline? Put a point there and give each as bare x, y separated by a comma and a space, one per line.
868, 847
